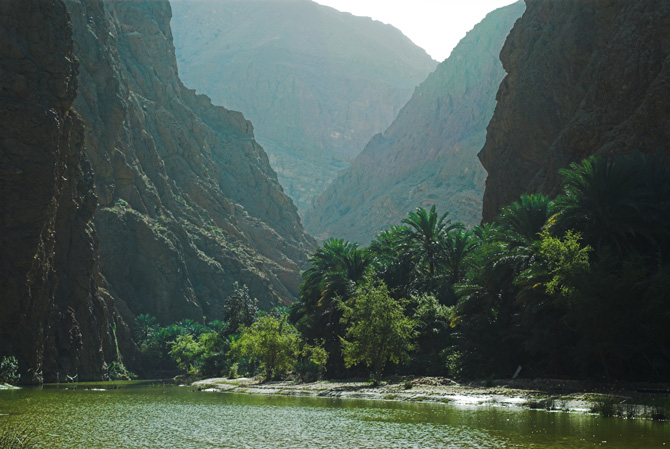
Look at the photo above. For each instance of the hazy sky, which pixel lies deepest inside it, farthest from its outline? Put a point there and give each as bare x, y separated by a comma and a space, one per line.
434, 25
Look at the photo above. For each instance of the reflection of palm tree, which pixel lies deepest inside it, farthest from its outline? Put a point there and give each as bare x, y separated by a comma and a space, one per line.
426, 233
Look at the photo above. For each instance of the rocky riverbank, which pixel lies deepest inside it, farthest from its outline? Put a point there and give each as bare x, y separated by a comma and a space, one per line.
622, 400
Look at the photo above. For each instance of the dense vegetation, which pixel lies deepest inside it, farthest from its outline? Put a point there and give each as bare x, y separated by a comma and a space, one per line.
576, 286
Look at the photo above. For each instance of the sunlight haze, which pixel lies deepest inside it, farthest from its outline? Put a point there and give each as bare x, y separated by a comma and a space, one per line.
434, 25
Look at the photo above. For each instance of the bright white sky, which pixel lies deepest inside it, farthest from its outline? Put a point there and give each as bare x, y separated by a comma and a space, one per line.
434, 25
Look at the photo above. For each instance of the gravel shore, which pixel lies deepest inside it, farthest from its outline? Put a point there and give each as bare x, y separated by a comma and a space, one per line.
624, 400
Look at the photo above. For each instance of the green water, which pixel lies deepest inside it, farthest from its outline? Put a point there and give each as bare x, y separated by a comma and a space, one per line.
170, 417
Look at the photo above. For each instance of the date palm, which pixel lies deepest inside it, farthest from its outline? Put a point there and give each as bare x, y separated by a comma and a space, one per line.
605, 201
426, 232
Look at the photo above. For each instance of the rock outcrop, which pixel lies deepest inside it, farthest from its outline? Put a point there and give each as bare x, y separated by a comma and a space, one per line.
429, 154
584, 77
188, 201
316, 83
138, 196
55, 317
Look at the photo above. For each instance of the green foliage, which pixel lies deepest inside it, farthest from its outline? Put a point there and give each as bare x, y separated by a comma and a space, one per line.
9, 370
377, 332
273, 343
145, 326
239, 309
337, 268
184, 346
426, 229
118, 371
311, 363
573, 287
566, 260
185, 351
433, 335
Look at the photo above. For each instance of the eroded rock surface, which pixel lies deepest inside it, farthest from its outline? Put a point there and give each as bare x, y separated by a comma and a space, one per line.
188, 201
55, 317
584, 77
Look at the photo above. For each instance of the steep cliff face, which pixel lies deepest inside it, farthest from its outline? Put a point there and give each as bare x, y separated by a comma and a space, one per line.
316, 83
188, 201
429, 154
584, 77
55, 318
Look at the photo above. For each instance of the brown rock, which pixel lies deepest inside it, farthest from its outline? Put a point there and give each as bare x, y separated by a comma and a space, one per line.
54, 318
584, 77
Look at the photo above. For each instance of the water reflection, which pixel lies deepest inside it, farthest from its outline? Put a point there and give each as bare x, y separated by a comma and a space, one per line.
155, 415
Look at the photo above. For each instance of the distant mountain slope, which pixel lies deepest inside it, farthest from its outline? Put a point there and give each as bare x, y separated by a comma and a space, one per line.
315, 82
584, 77
429, 154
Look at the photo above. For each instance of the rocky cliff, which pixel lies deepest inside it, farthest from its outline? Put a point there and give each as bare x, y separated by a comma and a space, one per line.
188, 201
429, 154
56, 319
316, 83
584, 77
138, 196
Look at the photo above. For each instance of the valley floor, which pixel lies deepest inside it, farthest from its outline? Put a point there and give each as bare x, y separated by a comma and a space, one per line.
623, 400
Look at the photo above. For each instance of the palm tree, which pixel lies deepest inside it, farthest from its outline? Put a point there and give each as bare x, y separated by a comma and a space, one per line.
426, 233
392, 262
603, 200
337, 268
523, 220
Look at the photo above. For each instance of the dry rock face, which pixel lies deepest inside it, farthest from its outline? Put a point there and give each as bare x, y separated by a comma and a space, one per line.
429, 154
584, 77
55, 319
136, 197
316, 83
188, 201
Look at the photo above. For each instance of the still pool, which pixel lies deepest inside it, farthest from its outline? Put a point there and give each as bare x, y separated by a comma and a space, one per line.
156, 416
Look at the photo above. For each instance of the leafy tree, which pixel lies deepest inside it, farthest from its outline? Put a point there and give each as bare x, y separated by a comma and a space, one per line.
336, 269
433, 335
393, 264
273, 343
523, 220
239, 309
378, 330
9, 370
185, 351
311, 363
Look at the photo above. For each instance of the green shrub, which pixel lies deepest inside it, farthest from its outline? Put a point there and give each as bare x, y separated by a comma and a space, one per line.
118, 371
9, 370
606, 406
